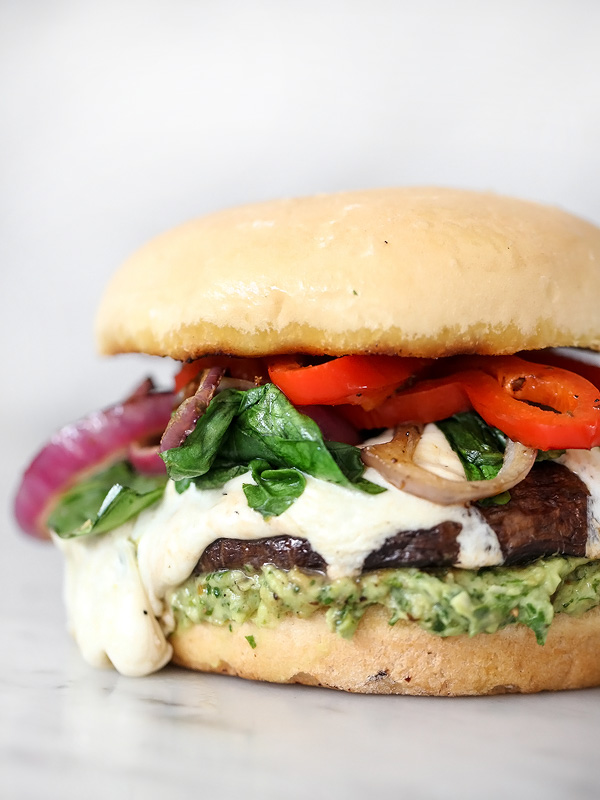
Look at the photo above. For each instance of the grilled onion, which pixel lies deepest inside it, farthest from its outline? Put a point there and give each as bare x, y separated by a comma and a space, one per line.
184, 420
394, 460
146, 459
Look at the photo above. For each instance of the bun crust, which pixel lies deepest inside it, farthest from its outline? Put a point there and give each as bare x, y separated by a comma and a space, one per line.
399, 659
412, 271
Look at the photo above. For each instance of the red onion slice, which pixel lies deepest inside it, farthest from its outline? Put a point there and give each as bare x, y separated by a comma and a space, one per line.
78, 448
146, 459
394, 460
145, 387
184, 420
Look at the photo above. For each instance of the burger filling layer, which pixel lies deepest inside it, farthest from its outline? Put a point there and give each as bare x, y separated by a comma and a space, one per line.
127, 589
257, 503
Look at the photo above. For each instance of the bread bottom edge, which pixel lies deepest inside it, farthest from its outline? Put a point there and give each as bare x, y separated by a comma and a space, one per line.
398, 659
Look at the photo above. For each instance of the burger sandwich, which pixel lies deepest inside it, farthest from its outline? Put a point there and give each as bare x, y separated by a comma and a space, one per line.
374, 471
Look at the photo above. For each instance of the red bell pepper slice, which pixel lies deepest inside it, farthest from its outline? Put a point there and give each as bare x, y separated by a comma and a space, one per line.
359, 380
426, 401
541, 406
588, 371
536, 404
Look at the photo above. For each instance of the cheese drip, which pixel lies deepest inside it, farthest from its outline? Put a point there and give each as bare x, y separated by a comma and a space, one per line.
108, 610
586, 465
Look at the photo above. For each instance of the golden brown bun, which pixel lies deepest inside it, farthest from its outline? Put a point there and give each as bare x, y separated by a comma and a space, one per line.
399, 659
408, 271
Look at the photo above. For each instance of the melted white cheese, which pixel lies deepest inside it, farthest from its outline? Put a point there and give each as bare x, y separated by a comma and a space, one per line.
114, 578
343, 525
109, 614
586, 465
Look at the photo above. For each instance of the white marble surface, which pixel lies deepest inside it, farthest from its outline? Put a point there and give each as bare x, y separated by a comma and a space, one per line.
120, 119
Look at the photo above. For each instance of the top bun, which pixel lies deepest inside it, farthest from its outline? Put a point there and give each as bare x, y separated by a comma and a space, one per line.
414, 272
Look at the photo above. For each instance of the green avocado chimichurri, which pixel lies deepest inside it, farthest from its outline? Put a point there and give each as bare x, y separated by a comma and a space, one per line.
445, 602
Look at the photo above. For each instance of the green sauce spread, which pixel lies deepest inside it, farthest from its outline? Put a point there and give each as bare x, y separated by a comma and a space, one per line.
446, 602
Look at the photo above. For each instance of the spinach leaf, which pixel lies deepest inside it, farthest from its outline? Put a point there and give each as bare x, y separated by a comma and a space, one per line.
104, 501
274, 490
349, 461
197, 453
549, 455
497, 500
479, 447
243, 427
269, 427
217, 476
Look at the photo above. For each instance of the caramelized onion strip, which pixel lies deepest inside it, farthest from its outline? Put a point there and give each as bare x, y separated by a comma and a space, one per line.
394, 460
184, 419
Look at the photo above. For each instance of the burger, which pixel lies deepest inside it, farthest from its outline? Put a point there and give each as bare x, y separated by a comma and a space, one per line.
374, 470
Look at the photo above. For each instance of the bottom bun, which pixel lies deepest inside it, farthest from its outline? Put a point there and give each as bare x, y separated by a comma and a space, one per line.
398, 659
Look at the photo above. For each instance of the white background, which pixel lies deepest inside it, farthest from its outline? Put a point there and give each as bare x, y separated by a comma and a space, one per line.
121, 119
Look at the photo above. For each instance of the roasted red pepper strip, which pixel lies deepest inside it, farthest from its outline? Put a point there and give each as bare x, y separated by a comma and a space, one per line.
187, 373
360, 380
427, 401
502, 390
539, 405
570, 413
588, 371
